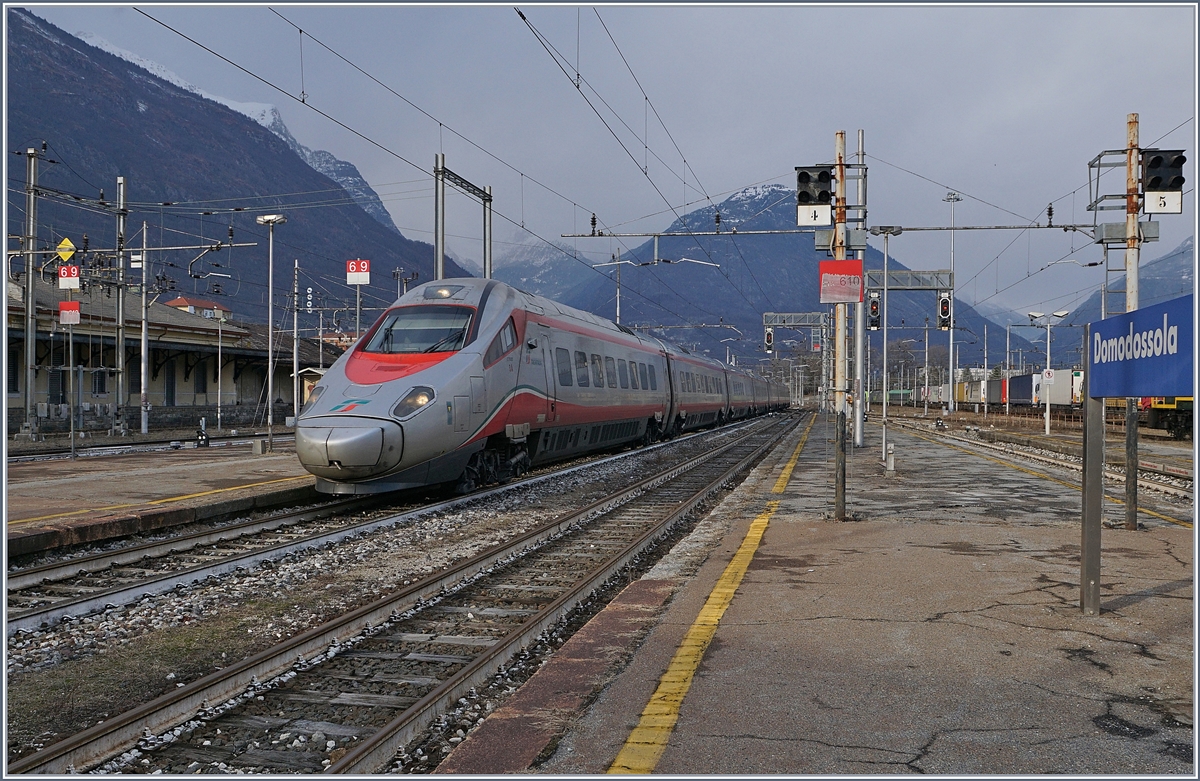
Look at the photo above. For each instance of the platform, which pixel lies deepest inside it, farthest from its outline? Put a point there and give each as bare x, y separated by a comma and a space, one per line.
937, 632
63, 502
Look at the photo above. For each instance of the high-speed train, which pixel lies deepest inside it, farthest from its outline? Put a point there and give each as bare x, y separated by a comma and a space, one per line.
471, 381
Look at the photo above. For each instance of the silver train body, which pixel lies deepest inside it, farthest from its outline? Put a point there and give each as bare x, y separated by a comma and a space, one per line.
471, 381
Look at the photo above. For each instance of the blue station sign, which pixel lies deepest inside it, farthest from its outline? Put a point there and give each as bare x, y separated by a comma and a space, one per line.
1147, 352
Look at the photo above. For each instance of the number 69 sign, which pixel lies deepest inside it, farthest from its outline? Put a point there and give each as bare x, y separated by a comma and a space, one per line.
68, 277
358, 272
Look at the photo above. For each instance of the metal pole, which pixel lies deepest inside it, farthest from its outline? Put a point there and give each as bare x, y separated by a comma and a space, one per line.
358, 311
886, 383
119, 415
1045, 387
1132, 206
952, 198
1093, 499
220, 320
71, 377
860, 310
1104, 290
1007, 366
983, 388
926, 413
618, 287
31, 175
145, 356
271, 339
296, 339
321, 335
839, 361
439, 216
487, 233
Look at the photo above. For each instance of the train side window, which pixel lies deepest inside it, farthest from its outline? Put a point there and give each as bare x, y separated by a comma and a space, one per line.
581, 368
563, 358
633, 378
623, 370
642, 375
610, 369
501, 345
653, 378
597, 371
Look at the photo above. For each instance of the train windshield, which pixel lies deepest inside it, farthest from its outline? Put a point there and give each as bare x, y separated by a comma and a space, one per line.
422, 329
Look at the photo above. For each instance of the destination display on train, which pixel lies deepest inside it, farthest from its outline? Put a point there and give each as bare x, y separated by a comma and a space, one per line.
1147, 352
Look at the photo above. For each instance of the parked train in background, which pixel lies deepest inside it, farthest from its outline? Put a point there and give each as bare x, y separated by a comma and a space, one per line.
1026, 391
471, 381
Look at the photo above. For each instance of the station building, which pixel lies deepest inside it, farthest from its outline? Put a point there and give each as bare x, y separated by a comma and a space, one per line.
186, 381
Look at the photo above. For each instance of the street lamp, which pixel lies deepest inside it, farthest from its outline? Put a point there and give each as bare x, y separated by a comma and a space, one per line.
1033, 316
886, 231
952, 198
270, 220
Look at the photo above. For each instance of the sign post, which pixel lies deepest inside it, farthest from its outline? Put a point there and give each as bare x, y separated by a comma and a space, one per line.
1145, 352
358, 273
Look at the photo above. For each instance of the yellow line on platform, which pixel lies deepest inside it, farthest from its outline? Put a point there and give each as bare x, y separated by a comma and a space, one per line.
648, 740
155, 501
786, 474
1072, 486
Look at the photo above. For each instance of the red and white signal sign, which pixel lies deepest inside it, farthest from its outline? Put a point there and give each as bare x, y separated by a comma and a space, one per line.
358, 272
68, 277
68, 312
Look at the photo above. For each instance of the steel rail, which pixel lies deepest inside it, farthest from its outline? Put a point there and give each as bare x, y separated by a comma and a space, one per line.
375, 753
31, 620
97, 562
1170, 490
121, 732
149, 446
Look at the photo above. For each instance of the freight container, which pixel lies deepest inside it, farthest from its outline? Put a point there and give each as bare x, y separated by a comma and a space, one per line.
1077, 388
1025, 390
1059, 391
997, 391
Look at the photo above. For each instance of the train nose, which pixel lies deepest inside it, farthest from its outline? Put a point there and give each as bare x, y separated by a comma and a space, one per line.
349, 449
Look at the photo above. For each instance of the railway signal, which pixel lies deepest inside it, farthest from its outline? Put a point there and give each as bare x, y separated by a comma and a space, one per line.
814, 195
943, 313
873, 317
769, 339
1163, 180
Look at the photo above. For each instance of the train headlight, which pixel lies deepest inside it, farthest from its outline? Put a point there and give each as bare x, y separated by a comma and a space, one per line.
416, 400
442, 291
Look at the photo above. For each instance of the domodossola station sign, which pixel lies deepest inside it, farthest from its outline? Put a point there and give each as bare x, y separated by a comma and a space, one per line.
1147, 352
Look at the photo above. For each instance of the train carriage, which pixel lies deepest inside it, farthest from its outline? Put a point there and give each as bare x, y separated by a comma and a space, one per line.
470, 381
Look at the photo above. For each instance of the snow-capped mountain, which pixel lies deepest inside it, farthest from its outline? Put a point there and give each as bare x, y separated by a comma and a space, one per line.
267, 115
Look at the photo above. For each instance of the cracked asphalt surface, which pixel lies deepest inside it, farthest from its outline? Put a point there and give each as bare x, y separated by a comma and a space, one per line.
939, 632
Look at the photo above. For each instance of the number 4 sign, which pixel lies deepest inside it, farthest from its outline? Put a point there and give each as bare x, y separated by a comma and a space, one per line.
358, 272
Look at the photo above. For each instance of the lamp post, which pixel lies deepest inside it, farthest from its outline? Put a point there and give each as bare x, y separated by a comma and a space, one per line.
952, 198
886, 231
270, 220
618, 263
1033, 316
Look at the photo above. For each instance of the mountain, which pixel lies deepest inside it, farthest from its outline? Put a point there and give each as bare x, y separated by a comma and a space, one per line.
1170, 276
756, 274
195, 170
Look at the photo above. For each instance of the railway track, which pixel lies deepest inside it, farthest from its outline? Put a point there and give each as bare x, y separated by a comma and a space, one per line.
148, 446
75, 587
374, 679
1158, 477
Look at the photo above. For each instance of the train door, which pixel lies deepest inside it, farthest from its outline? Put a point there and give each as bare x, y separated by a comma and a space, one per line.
535, 374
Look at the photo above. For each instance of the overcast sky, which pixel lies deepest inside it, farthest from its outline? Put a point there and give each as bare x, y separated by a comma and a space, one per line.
1005, 105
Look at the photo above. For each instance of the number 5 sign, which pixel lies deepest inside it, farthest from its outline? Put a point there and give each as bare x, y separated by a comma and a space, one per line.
358, 272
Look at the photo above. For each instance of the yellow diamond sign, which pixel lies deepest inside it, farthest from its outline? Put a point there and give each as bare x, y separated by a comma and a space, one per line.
66, 249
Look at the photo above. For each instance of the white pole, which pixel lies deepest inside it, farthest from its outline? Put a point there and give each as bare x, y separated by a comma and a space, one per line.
1045, 387
145, 367
220, 320
296, 339
271, 339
